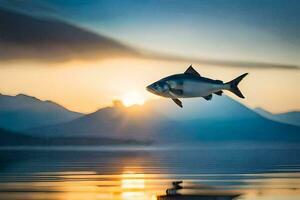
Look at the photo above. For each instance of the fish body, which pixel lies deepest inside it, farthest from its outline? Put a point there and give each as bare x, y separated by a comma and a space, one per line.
191, 84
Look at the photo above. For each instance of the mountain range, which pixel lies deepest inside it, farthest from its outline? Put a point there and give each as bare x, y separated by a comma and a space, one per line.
118, 121
161, 121
22, 112
292, 117
11, 138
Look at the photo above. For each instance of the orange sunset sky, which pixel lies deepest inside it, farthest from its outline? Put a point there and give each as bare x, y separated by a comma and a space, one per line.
85, 55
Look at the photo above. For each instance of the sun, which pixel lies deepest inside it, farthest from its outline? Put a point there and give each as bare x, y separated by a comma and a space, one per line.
132, 98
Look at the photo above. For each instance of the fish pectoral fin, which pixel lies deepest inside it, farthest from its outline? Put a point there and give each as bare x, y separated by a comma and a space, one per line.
178, 102
219, 93
191, 71
208, 97
176, 91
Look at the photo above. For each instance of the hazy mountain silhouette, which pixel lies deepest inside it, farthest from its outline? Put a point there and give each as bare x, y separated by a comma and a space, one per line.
22, 112
10, 138
219, 108
14, 138
222, 119
118, 121
292, 117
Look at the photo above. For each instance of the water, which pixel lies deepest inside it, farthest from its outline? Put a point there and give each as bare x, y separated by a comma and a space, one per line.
140, 173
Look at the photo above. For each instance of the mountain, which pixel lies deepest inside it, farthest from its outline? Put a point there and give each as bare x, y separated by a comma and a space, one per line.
13, 138
22, 112
160, 121
292, 118
223, 119
9, 138
219, 108
135, 122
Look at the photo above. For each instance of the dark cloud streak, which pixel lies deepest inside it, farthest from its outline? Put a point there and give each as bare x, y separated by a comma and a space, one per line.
31, 38
224, 63
24, 37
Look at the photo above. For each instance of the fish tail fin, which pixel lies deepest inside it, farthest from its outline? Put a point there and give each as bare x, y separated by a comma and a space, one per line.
233, 85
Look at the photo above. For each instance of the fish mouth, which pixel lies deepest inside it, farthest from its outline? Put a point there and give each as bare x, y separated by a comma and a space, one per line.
149, 88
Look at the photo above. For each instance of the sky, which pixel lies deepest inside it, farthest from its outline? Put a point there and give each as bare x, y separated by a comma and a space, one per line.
94, 51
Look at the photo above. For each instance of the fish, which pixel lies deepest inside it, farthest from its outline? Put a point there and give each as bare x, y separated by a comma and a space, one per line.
191, 84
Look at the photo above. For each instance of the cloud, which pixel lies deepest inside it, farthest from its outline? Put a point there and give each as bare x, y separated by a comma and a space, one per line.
31, 7
220, 62
24, 37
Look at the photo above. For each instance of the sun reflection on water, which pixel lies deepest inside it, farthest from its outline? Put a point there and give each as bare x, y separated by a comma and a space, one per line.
139, 176
134, 187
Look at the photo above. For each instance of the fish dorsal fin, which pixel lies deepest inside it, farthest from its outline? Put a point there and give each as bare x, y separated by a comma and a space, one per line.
191, 71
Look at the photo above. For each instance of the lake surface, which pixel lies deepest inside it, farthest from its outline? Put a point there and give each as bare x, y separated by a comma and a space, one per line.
140, 173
